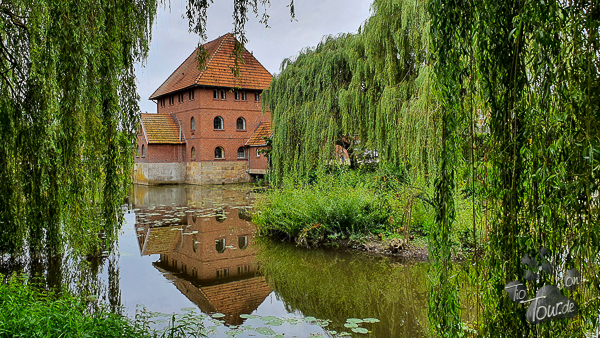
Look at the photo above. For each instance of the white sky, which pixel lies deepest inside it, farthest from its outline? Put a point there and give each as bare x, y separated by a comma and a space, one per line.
172, 43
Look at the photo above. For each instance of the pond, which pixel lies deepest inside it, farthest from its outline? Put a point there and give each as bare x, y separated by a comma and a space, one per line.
193, 250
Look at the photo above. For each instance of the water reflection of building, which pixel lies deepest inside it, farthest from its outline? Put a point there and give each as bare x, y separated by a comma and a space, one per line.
208, 254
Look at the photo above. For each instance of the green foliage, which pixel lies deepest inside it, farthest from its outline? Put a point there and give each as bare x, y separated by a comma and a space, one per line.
532, 66
336, 206
367, 92
68, 103
31, 312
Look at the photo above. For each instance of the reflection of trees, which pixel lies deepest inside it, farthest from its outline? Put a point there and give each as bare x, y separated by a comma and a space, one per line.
335, 285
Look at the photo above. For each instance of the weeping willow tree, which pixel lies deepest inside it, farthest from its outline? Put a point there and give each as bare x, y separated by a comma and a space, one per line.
68, 115
535, 66
368, 91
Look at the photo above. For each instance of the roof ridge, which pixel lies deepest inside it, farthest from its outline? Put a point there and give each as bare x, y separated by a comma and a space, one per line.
222, 37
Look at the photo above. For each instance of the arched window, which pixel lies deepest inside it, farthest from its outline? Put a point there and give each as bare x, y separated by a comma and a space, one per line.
143, 151
241, 123
243, 242
218, 123
192, 124
241, 152
219, 153
193, 153
220, 245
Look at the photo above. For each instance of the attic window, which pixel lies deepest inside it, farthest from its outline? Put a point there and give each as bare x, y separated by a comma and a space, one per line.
237, 95
223, 95
243, 96
215, 94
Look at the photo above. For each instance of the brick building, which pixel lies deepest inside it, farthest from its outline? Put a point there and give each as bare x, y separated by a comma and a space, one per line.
205, 120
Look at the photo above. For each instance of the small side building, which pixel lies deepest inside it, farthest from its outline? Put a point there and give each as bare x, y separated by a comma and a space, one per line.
258, 163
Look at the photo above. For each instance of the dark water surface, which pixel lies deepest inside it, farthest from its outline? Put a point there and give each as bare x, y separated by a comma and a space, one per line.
192, 248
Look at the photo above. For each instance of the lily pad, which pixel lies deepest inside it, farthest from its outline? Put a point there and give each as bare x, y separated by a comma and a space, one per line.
264, 330
332, 332
354, 320
234, 333
351, 325
218, 315
360, 330
243, 315
275, 322
371, 320
310, 319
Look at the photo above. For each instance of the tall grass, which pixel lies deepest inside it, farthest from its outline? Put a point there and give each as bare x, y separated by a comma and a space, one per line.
347, 204
27, 310
331, 206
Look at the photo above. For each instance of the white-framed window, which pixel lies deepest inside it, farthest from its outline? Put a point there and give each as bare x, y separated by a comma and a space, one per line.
219, 153
257, 152
223, 94
218, 123
256, 97
240, 123
243, 96
215, 94
241, 152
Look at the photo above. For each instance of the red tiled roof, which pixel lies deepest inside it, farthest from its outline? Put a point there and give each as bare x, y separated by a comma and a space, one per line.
161, 128
263, 130
217, 71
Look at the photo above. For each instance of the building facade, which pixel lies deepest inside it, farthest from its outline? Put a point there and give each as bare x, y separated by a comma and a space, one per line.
204, 120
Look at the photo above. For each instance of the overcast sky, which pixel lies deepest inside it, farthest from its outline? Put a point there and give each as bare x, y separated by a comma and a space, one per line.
172, 43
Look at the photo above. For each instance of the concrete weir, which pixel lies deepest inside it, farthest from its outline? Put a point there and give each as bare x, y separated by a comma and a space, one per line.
199, 173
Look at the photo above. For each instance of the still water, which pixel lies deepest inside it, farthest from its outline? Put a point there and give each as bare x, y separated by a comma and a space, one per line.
192, 248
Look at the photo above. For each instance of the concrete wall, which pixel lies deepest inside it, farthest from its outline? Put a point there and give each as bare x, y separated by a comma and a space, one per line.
216, 172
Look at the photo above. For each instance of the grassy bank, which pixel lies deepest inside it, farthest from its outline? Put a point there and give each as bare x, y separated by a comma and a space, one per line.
30, 311
353, 205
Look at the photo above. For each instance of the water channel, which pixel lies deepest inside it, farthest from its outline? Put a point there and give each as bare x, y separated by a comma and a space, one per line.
192, 249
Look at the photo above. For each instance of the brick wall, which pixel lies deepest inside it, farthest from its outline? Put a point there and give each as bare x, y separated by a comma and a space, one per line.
257, 162
204, 108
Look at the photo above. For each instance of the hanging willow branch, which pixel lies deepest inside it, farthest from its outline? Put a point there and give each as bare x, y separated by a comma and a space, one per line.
367, 92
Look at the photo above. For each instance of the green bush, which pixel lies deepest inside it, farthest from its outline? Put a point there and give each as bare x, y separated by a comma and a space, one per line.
335, 205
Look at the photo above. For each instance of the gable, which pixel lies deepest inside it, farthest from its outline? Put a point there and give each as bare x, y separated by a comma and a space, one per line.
257, 138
